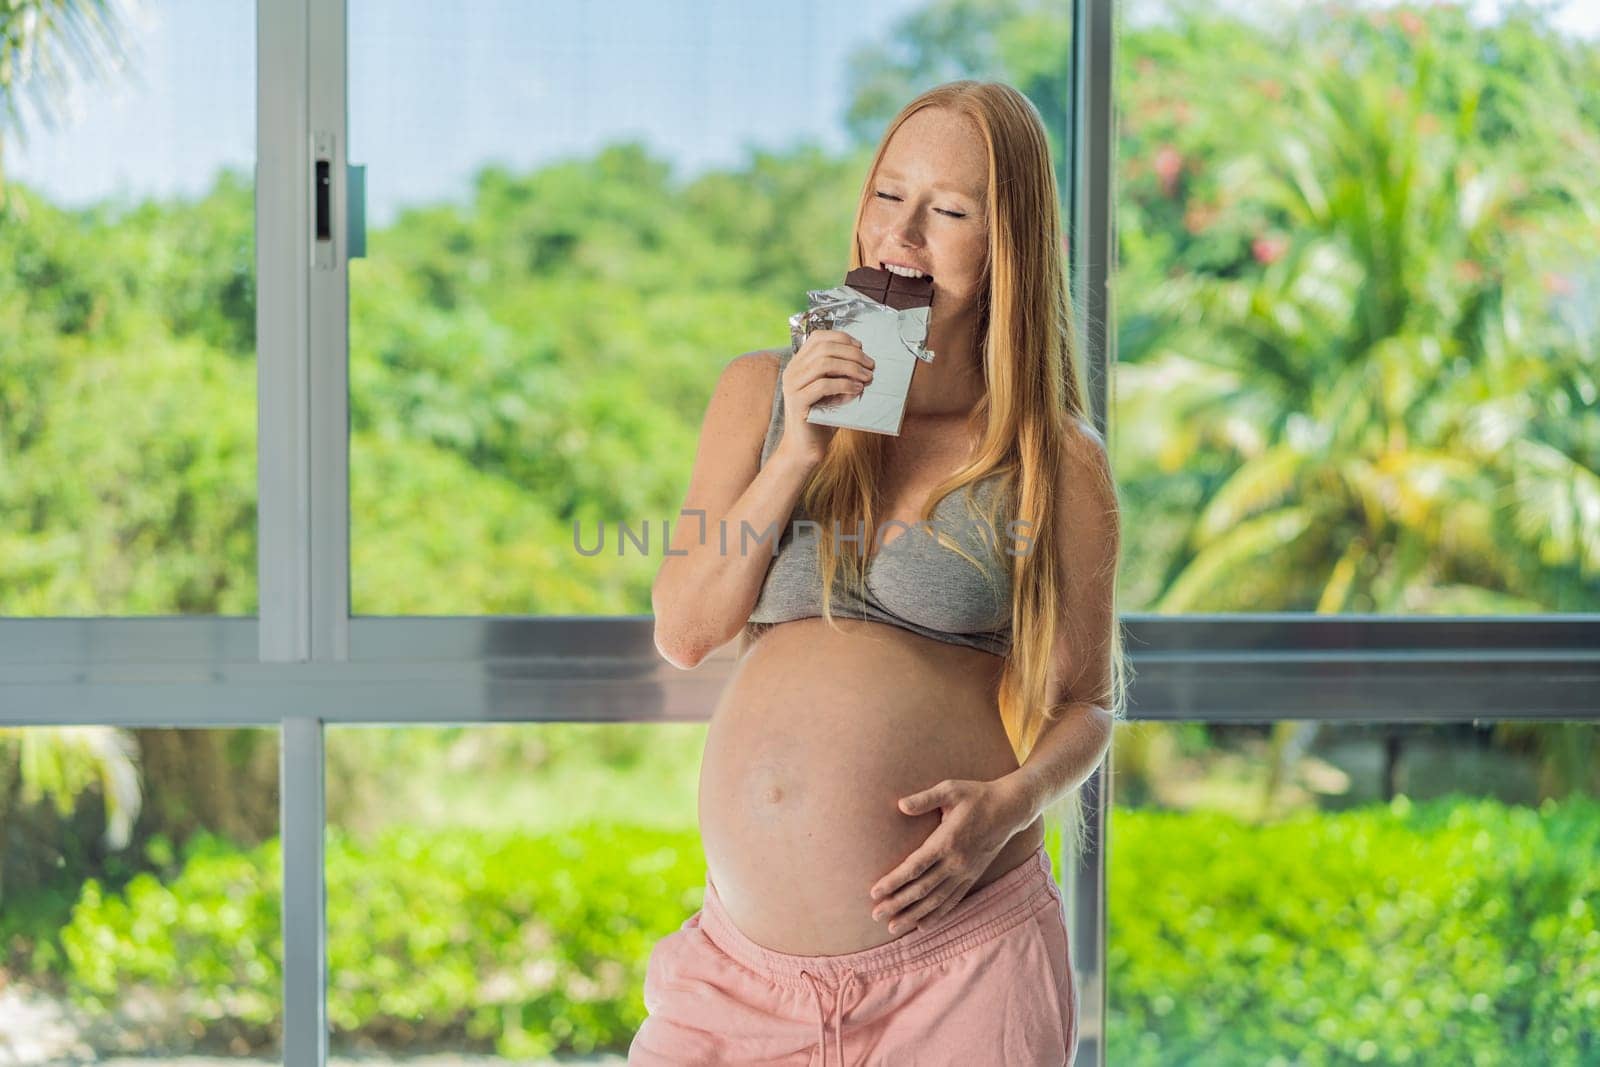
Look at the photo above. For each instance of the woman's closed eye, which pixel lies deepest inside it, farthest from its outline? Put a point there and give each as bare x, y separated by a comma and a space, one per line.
942, 211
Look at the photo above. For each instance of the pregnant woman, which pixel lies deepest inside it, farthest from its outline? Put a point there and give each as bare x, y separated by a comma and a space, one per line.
875, 774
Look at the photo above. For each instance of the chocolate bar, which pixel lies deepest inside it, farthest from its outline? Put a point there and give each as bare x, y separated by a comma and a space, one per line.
888, 314
891, 289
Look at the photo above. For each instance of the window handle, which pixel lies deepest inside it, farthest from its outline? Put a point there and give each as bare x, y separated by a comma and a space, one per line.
355, 188
324, 200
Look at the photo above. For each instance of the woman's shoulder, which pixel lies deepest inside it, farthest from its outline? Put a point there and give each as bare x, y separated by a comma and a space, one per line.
765, 364
766, 359
1083, 440
1085, 460
1087, 485
754, 374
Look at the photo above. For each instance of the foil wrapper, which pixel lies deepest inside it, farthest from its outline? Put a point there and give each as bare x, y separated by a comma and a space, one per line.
893, 338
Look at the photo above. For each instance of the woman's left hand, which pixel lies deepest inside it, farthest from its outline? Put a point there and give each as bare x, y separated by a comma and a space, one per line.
977, 819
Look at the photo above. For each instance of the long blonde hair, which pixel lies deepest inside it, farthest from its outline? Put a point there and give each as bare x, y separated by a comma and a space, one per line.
1032, 394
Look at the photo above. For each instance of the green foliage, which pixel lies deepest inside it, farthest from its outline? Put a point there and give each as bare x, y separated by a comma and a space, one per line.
537, 365
515, 944
157, 517
1458, 931
1355, 373
199, 940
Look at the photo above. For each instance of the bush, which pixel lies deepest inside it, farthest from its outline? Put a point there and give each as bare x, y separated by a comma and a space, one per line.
1460, 931
517, 945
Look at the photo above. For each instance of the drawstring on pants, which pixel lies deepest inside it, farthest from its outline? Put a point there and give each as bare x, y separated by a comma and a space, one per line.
838, 1016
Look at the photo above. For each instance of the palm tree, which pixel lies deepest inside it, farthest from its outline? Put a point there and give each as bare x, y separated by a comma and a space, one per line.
1404, 411
58, 764
1391, 370
45, 46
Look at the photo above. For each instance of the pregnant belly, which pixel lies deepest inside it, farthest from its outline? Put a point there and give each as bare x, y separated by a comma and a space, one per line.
817, 737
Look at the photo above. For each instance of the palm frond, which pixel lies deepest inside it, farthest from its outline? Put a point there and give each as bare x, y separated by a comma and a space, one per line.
46, 47
1262, 482
60, 763
1342, 579
1250, 551
1557, 503
1447, 500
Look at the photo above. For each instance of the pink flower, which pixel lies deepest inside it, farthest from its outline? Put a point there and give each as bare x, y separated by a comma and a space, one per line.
1168, 164
1269, 248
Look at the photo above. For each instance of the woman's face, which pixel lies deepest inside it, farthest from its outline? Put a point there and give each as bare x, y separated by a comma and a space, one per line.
926, 207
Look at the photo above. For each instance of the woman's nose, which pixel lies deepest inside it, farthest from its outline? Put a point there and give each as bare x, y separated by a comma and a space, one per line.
908, 234
907, 227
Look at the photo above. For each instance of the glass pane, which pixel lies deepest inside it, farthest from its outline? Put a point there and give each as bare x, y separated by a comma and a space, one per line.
497, 890
577, 218
127, 309
140, 894
1319, 892
1357, 298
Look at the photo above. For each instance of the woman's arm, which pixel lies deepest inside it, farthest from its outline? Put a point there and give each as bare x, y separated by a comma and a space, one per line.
1089, 534
703, 594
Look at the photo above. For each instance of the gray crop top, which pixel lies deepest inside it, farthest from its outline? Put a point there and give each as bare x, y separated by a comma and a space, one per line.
912, 581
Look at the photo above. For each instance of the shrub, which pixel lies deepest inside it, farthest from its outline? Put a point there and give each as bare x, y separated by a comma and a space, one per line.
1459, 931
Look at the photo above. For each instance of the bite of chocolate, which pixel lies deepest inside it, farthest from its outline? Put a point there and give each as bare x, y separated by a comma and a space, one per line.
891, 289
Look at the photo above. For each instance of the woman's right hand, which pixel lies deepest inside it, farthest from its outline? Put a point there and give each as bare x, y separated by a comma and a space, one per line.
829, 363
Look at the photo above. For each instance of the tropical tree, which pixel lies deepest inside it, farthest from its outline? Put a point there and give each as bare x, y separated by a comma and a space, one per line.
1391, 393
1399, 405
45, 47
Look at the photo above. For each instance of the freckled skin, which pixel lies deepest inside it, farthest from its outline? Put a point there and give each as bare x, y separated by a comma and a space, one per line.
908, 220
809, 750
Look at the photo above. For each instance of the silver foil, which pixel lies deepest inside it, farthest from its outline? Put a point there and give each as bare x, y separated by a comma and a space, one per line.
893, 338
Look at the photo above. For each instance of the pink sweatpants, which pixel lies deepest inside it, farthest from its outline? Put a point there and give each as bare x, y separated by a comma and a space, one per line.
990, 984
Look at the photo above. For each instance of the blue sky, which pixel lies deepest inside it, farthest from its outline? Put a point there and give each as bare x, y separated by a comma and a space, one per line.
438, 90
